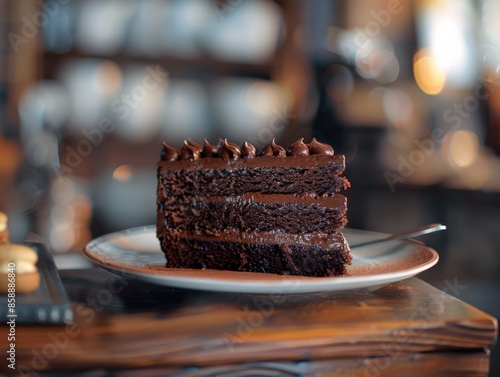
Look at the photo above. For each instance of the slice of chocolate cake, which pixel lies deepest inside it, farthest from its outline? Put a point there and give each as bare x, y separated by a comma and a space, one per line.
226, 207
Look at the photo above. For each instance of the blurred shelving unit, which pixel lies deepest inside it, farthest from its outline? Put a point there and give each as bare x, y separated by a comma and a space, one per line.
13, 82
84, 58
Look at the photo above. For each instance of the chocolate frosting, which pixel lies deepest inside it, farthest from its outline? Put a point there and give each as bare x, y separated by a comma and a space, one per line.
229, 151
168, 153
248, 150
273, 149
190, 151
315, 147
297, 149
209, 150
194, 144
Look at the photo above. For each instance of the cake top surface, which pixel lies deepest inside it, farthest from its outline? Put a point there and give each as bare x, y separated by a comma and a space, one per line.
230, 152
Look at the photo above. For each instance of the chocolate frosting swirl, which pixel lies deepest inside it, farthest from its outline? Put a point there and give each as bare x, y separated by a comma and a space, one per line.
168, 153
297, 149
315, 147
209, 150
248, 150
273, 149
190, 151
229, 151
194, 144
226, 150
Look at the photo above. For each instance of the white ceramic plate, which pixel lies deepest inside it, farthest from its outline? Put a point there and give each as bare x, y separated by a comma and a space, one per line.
136, 253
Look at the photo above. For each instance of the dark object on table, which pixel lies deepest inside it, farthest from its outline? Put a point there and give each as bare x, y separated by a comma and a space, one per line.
49, 303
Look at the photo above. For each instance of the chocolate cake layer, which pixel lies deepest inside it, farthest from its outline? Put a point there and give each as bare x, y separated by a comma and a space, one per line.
309, 259
257, 212
241, 178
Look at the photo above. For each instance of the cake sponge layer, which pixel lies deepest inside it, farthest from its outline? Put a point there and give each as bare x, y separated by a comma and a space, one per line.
275, 258
184, 184
261, 213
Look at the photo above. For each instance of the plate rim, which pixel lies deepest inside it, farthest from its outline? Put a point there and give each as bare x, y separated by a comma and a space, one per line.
262, 286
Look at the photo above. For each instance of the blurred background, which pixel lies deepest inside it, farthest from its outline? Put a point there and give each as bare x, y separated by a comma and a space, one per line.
409, 91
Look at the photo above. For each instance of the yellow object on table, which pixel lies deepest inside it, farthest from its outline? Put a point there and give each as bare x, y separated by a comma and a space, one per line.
4, 230
18, 271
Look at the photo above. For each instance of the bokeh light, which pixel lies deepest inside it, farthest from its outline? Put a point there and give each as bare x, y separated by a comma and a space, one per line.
62, 237
446, 28
398, 107
63, 190
122, 173
489, 20
461, 148
252, 109
376, 60
107, 78
62, 213
429, 75
490, 63
384, 66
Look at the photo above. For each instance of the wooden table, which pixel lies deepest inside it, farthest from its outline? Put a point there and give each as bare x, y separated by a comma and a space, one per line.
128, 328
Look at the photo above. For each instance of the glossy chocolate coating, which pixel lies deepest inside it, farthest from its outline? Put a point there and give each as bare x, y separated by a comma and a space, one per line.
229, 151
209, 150
273, 149
297, 149
315, 147
169, 153
190, 152
248, 150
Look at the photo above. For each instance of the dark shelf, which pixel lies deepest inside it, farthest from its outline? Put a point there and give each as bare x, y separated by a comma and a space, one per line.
175, 65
